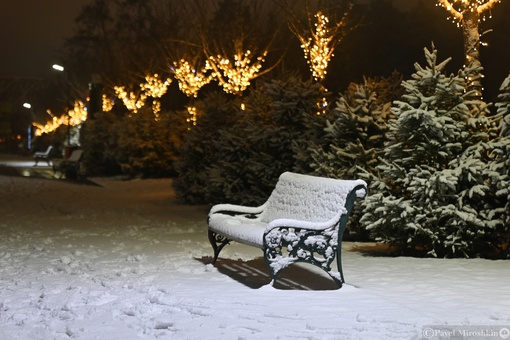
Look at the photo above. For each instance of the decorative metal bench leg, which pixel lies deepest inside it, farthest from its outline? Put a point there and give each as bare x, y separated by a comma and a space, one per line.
339, 265
338, 281
218, 242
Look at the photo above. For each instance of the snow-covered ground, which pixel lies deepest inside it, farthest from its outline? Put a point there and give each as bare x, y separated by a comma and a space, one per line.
123, 260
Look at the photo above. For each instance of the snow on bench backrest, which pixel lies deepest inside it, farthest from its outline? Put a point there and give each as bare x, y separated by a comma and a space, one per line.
307, 198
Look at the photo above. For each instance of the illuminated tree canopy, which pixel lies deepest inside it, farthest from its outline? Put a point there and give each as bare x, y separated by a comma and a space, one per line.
235, 76
318, 48
190, 78
319, 40
135, 100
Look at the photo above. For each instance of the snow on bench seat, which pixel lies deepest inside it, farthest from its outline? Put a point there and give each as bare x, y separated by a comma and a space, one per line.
303, 211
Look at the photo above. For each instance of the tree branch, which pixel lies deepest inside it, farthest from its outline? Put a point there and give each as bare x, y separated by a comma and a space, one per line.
486, 6
449, 7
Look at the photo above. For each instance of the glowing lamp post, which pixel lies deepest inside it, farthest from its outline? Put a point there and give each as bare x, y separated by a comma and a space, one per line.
29, 131
60, 68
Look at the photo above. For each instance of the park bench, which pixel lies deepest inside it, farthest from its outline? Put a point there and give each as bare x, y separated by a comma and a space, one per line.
70, 167
303, 220
43, 155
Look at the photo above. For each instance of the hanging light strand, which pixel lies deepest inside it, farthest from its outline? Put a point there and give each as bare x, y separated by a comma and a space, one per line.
456, 8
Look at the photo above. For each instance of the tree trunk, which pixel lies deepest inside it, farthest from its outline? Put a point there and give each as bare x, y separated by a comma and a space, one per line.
473, 66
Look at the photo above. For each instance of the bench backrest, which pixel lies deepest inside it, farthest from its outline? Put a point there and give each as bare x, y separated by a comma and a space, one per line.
48, 150
75, 156
309, 198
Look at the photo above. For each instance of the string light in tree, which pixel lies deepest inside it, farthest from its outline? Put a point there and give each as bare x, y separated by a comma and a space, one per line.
192, 116
190, 79
322, 105
76, 116
319, 41
107, 103
319, 47
468, 15
156, 108
153, 87
235, 76
457, 8
133, 101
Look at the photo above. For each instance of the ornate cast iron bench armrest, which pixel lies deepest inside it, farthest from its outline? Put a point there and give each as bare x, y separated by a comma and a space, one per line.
288, 241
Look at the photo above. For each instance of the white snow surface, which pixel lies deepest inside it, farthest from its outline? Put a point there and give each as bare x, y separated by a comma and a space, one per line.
123, 260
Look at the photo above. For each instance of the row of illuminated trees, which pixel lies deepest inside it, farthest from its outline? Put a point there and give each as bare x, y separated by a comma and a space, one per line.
319, 27
233, 73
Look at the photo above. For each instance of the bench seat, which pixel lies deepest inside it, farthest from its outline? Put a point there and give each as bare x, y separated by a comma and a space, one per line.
251, 233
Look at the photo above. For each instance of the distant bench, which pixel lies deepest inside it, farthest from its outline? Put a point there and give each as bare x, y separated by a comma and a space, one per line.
43, 155
70, 167
302, 221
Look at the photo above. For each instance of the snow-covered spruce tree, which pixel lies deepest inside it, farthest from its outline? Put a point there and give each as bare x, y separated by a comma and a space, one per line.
500, 152
355, 136
215, 112
279, 121
145, 147
432, 198
99, 140
354, 140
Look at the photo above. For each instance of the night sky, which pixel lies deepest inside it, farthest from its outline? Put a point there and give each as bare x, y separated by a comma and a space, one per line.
30, 33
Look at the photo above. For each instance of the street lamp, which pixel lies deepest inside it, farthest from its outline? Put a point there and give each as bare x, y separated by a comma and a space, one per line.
60, 68
29, 132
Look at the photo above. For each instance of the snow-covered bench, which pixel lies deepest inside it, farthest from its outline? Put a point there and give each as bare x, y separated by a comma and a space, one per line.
43, 155
302, 221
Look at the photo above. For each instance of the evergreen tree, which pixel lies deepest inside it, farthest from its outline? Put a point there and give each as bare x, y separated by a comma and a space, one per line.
435, 194
279, 121
355, 137
147, 145
99, 140
214, 113
501, 164
354, 140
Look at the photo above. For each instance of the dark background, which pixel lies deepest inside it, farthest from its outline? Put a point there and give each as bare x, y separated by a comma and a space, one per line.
32, 31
